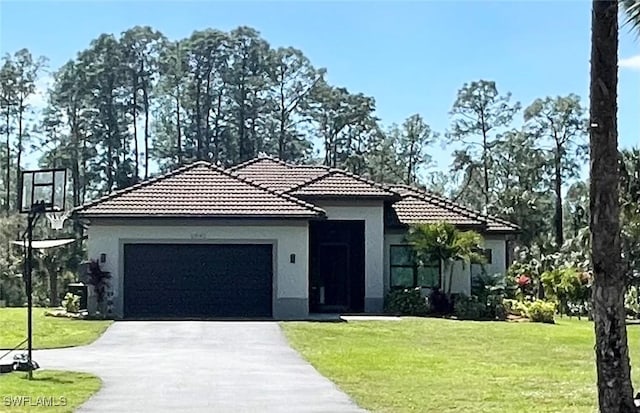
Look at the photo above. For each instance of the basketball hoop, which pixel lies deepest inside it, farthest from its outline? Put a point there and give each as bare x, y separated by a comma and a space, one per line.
40, 192
57, 219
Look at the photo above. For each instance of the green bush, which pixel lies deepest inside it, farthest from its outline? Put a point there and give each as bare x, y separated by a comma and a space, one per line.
516, 307
469, 308
541, 311
631, 302
71, 303
569, 286
406, 302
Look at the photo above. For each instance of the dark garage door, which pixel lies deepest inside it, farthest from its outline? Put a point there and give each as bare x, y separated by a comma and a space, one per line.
197, 280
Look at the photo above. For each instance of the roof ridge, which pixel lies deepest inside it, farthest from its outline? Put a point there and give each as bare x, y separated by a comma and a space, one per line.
283, 195
192, 165
379, 185
309, 182
330, 171
248, 162
139, 185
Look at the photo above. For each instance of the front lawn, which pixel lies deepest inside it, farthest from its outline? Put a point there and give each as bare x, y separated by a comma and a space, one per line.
48, 332
437, 365
49, 391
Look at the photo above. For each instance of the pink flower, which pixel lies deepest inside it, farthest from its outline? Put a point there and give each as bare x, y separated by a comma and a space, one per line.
523, 280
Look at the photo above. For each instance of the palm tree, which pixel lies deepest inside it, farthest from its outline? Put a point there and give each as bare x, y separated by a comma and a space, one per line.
615, 390
445, 242
631, 9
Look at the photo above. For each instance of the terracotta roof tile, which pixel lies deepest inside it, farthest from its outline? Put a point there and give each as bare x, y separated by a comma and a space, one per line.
199, 190
409, 211
413, 209
342, 184
309, 180
277, 174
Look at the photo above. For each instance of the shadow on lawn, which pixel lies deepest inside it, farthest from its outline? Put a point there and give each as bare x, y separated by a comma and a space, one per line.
43, 379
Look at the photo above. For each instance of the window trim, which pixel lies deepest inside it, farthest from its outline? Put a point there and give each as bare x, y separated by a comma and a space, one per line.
414, 266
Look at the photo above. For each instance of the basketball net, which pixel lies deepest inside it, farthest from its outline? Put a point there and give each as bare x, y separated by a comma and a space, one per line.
56, 219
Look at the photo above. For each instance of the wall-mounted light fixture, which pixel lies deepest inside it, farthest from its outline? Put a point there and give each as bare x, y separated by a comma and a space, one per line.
292, 258
103, 257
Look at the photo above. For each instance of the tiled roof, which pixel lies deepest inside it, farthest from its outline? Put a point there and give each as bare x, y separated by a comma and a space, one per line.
409, 211
339, 183
199, 190
309, 180
277, 174
413, 209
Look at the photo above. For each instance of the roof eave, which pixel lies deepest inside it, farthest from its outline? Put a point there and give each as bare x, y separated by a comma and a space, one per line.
345, 197
94, 215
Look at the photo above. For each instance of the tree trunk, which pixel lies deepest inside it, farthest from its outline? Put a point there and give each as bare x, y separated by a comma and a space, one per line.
450, 281
145, 98
19, 148
8, 183
216, 129
53, 288
485, 164
178, 128
615, 391
198, 121
283, 117
558, 205
135, 124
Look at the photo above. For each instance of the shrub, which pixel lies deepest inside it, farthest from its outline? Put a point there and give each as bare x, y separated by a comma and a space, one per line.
438, 303
469, 308
71, 303
541, 311
631, 302
569, 286
406, 302
516, 307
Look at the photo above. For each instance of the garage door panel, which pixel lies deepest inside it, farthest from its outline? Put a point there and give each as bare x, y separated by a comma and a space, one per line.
198, 280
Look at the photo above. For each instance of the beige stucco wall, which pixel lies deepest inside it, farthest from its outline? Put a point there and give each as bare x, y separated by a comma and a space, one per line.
461, 280
289, 237
372, 212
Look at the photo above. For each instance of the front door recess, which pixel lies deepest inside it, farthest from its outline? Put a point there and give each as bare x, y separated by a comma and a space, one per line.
336, 264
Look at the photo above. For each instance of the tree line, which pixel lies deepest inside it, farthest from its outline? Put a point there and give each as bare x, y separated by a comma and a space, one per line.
137, 103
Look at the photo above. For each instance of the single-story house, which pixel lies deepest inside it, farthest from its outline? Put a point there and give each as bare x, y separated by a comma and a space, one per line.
270, 239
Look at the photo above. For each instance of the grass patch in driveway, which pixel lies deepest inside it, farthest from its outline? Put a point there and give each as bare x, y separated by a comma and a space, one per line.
48, 332
50, 391
436, 365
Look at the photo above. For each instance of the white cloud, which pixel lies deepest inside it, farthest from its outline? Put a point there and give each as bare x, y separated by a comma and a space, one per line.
632, 62
39, 99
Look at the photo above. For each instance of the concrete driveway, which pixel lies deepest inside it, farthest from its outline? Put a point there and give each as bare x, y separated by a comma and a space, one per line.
198, 366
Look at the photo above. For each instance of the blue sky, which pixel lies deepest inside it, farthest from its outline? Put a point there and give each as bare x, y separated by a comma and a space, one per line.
411, 56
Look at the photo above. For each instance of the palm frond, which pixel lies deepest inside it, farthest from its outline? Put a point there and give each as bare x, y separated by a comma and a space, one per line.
631, 9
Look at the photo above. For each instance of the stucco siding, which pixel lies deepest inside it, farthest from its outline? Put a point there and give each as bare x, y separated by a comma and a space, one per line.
373, 215
290, 279
461, 280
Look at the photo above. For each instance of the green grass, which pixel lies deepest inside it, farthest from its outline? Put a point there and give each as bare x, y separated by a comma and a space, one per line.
48, 332
50, 391
436, 365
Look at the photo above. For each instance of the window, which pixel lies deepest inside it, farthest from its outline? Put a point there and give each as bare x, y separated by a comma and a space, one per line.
486, 252
480, 269
406, 272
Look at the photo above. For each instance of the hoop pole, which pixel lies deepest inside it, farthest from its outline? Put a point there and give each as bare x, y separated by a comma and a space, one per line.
31, 219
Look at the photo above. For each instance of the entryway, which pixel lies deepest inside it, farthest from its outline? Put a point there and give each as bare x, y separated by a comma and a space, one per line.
336, 266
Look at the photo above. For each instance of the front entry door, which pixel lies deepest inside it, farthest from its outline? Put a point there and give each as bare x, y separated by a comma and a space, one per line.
336, 266
334, 277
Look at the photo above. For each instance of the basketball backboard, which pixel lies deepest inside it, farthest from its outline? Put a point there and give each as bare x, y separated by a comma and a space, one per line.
45, 188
